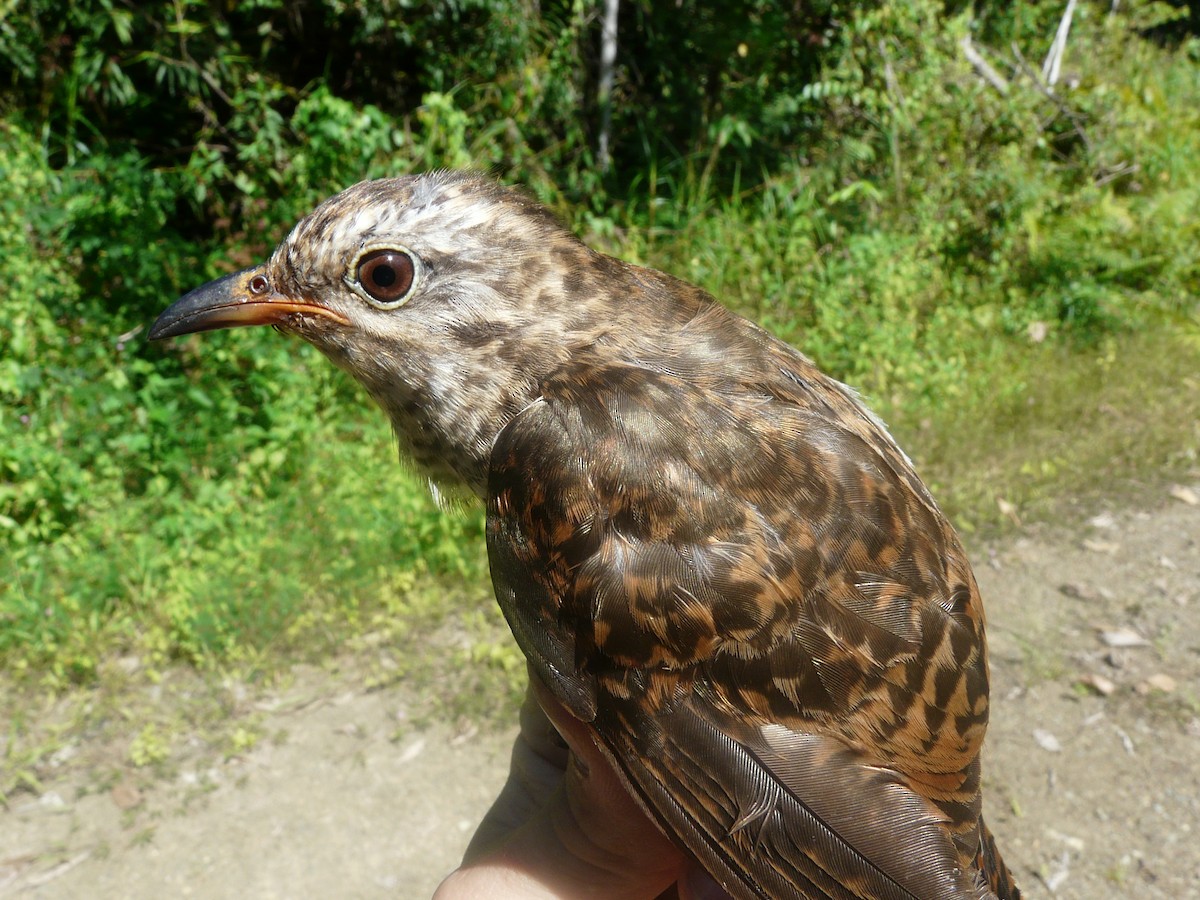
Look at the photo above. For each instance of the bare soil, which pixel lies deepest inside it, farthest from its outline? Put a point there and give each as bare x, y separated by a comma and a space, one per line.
1092, 771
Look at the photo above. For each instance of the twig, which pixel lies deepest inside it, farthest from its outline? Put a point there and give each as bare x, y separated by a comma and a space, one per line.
982, 66
1118, 171
58, 871
130, 334
1053, 64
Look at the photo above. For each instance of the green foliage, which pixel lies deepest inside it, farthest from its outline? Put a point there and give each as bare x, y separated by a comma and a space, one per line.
839, 172
254, 108
148, 507
937, 219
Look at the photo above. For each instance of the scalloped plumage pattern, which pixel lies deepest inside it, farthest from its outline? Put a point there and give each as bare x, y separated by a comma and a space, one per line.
711, 552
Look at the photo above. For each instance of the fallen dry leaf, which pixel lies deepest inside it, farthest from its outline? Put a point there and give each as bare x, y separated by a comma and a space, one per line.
1047, 741
1186, 494
412, 751
469, 730
125, 795
1078, 591
1161, 682
1106, 547
1123, 637
1009, 510
1098, 683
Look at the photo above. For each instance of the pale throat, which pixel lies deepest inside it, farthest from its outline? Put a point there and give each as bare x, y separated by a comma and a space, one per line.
446, 408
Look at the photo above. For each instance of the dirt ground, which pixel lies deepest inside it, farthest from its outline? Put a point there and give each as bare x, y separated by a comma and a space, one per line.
1092, 772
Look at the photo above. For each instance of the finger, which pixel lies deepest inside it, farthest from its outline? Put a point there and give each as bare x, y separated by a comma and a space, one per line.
598, 819
590, 839
598, 797
536, 769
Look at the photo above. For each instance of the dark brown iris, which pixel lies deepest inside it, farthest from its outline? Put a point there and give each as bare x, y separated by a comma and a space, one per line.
386, 275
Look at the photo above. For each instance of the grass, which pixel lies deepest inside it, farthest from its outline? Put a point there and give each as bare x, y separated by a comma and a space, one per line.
1076, 427
231, 508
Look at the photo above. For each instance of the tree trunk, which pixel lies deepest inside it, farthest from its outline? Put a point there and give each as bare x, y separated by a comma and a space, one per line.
608, 58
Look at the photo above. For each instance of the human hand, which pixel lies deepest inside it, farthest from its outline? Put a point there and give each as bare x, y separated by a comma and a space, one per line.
565, 826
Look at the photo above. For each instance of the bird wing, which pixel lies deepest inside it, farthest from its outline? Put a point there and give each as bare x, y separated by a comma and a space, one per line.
771, 631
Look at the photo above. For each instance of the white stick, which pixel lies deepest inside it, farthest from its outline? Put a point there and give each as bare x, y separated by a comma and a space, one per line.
1053, 63
982, 66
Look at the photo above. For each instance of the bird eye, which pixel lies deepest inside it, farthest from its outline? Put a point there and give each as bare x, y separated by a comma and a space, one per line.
386, 275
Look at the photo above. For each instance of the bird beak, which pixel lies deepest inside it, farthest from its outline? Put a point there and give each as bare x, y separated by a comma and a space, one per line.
243, 298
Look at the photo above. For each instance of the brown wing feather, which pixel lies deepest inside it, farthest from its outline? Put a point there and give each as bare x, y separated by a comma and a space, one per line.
763, 616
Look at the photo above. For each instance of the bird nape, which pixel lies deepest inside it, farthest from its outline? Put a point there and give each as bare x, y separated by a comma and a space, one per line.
710, 552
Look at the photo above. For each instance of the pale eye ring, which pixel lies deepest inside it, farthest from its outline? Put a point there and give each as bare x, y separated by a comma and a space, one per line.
385, 276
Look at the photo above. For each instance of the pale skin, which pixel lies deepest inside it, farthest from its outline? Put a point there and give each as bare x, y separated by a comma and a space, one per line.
565, 827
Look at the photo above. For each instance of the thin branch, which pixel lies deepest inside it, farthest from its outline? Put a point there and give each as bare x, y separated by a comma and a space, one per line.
982, 66
1120, 170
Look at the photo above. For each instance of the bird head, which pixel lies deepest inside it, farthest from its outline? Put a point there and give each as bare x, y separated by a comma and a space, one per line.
447, 296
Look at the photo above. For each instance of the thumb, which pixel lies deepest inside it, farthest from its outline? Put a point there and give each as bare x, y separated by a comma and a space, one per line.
599, 798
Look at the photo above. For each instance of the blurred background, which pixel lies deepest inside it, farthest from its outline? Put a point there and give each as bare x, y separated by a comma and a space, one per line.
984, 217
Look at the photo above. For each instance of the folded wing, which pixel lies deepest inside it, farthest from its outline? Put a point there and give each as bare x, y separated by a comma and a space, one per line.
772, 631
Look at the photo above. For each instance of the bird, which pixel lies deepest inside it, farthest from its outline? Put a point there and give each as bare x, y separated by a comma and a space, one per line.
711, 553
